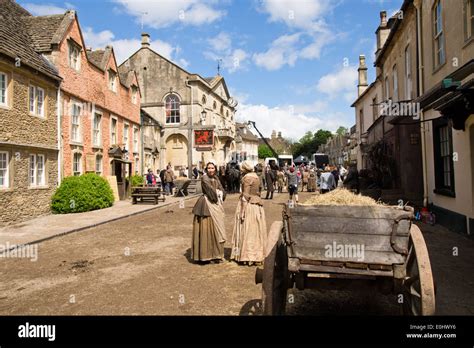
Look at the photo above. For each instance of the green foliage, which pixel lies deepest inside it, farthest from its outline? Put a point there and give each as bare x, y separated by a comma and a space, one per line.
342, 130
137, 180
310, 142
82, 193
264, 151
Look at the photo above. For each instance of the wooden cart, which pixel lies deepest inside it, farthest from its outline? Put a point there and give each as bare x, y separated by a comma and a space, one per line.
315, 247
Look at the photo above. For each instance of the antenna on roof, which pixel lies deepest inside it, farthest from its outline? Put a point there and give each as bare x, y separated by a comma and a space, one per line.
219, 67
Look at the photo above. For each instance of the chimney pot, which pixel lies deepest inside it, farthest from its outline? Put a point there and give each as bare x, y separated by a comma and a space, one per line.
145, 40
383, 18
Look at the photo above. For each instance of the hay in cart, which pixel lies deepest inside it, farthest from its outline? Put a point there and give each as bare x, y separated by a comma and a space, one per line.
341, 196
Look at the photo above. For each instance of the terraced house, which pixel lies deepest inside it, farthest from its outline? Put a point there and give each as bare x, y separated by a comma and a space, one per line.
29, 142
99, 107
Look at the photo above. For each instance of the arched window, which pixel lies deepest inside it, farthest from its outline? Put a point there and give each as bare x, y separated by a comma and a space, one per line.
204, 99
214, 105
172, 109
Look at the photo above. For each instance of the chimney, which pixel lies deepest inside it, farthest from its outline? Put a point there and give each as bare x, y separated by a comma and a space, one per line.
279, 135
89, 49
273, 134
362, 85
145, 40
382, 31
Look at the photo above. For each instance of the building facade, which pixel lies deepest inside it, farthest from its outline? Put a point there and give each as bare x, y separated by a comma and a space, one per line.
247, 145
28, 121
99, 107
190, 109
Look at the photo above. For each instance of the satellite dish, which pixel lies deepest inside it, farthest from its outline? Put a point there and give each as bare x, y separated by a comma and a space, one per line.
232, 102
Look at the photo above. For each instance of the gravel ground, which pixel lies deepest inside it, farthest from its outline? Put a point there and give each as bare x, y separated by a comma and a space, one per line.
140, 266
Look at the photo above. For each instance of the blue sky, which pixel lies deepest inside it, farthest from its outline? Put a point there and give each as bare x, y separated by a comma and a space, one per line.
291, 64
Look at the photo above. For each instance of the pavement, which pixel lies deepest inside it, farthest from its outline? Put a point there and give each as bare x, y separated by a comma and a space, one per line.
54, 225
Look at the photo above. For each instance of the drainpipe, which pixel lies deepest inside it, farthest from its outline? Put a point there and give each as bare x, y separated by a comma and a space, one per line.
419, 39
142, 154
190, 132
60, 152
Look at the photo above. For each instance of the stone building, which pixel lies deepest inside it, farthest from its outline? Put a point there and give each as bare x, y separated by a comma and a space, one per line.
281, 145
446, 97
389, 133
337, 148
28, 121
99, 107
186, 105
247, 145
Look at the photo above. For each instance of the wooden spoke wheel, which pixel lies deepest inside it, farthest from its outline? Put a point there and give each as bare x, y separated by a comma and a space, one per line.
418, 285
275, 276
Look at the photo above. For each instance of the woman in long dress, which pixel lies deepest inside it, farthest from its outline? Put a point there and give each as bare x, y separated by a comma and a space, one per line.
208, 225
250, 228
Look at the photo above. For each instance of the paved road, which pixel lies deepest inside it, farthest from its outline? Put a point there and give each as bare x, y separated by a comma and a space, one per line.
140, 265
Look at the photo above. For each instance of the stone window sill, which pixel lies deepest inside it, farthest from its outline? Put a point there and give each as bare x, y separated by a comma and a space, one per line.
42, 187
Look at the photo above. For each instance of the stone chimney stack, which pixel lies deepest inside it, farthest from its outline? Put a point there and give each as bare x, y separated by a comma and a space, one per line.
145, 40
279, 135
382, 32
273, 134
362, 85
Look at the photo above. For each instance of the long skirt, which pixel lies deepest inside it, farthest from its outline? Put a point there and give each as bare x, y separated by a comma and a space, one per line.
250, 236
205, 245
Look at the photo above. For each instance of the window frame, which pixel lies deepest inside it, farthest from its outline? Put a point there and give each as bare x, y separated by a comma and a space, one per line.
6, 77
33, 109
136, 136
80, 106
439, 169
395, 96
126, 139
438, 36
99, 130
34, 180
38, 113
176, 118
387, 88
72, 45
79, 172
112, 82
6, 183
408, 74
101, 162
468, 15
112, 119
134, 94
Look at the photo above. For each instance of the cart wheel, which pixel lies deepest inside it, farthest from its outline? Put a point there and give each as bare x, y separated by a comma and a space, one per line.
418, 285
275, 277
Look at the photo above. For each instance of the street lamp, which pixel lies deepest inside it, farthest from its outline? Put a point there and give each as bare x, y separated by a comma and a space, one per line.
203, 117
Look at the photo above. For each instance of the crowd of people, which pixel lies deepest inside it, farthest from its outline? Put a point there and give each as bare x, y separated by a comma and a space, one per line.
250, 231
166, 177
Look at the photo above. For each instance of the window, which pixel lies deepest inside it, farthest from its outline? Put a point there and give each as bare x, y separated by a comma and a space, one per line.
4, 166
172, 109
98, 164
112, 80
214, 105
96, 130
443, 151
126, 129
36, 101
77, 164
37, 170
438, 35
375, 109
135, 139
113, 131
74, 55
3, 89
395, 83
134, 94
468, 19
361, 121
408, 81
137, 162
387, 89
76, 122
203, 100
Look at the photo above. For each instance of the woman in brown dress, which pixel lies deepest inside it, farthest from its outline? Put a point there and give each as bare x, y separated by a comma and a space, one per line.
250, 229
208, 225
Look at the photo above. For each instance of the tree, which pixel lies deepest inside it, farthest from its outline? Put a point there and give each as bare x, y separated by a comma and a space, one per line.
322, 136
264, 151
310, 142
342, 130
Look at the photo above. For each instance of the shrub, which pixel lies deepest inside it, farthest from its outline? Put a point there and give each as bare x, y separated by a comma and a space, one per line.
82, 193
137, 180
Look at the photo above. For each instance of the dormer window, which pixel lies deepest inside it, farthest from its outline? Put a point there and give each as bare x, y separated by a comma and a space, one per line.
74, 55
134, 94
112, 80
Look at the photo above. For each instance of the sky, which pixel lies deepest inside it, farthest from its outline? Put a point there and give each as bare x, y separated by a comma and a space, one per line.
291, 64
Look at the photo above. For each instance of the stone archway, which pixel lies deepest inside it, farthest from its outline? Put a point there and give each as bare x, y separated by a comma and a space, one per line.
177, 150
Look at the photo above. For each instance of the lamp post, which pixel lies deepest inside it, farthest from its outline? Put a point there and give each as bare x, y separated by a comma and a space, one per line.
203, 117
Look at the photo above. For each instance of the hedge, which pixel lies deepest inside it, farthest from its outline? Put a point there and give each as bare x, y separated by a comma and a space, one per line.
78, 194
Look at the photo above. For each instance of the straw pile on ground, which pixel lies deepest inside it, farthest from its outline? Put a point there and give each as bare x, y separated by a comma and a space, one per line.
341, 196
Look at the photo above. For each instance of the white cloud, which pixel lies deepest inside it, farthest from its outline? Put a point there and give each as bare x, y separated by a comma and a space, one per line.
183, 63
342, 82
282, 52
220, 48
124, 48
44, 9
302, 14
163, 13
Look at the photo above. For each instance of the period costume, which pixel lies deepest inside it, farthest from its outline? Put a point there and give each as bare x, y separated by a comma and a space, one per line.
312, 181
280, 180
250, 229
208, 225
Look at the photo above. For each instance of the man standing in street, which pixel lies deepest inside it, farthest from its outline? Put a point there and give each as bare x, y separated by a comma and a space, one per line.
270, 180
327, 182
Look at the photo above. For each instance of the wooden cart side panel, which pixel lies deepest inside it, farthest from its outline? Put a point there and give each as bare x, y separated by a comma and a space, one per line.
374, 212
347, 225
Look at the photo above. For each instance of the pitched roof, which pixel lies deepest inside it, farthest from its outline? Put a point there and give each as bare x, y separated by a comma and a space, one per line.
97, 57
45, 31
15, 42
245, 133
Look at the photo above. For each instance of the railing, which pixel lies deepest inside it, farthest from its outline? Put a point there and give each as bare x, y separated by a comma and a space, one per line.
225, 132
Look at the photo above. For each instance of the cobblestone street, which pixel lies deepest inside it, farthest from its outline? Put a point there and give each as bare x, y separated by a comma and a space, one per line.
140, 265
